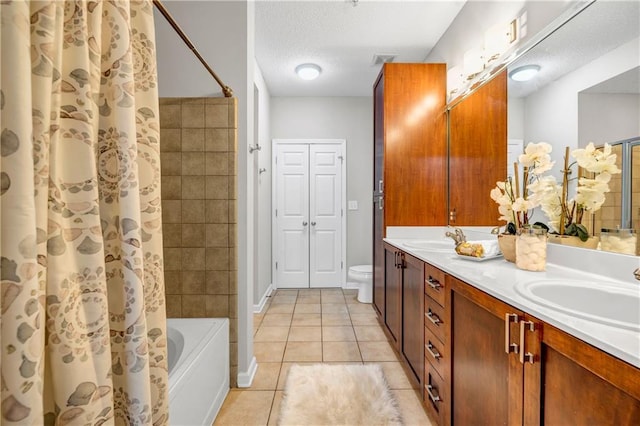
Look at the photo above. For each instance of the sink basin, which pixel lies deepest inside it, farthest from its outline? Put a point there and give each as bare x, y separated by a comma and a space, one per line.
608, 303
431, 245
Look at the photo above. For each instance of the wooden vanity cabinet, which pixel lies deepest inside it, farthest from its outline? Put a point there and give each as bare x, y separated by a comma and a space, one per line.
392, 318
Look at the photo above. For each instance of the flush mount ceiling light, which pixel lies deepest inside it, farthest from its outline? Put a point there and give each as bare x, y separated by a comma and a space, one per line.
524, 73
308, 71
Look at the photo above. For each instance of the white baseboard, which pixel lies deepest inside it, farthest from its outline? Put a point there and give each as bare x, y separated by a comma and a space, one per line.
245, 378
258, 308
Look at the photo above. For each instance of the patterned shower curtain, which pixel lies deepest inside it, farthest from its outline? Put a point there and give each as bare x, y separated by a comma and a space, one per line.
83, 313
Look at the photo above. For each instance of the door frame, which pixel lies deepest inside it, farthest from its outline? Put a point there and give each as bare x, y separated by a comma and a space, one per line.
343, 196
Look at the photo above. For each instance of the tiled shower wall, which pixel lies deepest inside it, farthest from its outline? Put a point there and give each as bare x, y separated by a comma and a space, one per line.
199, 199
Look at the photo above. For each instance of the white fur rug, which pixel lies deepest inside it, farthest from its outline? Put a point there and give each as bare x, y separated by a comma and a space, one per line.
328, 394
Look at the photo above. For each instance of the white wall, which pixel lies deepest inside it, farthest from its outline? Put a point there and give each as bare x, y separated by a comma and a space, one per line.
349, 118
263, 284
607, 117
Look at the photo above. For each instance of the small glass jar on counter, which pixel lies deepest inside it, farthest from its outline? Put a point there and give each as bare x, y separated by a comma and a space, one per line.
618, 240
531, 249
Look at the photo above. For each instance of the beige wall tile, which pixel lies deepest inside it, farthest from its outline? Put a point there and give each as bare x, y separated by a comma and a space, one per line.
216, 188
171, 163
233, 164
170, 140
192, 282
217, 282
193, 211
217, 211
174, 306
193, 259
171, 188
216, 115
233, 306
217, 259
217, 306
233, 192
233, 235
193, 306
192, 140
192, 187
192, 164
193, 235
170, 117
172, 282
233, 283
217, 235
193, 115
233, 215
172, 259
216, 163
171, 211
172, 235
170, 101
216, 140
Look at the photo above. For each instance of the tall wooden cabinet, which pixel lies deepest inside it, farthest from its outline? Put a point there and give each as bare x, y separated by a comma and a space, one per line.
410, 155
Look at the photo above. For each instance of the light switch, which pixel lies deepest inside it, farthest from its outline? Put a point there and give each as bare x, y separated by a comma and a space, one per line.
353, 204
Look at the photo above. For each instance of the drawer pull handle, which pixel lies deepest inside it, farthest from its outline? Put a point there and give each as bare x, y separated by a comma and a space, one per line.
430, 349
508, 346
433, 317
524, 327
433, 396
433, 283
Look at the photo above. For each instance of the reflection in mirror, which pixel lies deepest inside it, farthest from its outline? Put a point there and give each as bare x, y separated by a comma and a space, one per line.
587, 90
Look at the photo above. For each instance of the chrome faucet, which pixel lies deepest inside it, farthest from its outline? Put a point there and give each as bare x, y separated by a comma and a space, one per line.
457, 236
636, 274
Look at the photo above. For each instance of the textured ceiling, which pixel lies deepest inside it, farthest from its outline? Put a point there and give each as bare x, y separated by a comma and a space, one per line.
343, 38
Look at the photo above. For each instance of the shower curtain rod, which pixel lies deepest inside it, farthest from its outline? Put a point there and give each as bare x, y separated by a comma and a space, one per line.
226, 90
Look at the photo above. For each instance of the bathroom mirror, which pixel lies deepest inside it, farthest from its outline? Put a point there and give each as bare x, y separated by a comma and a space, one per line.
587, 90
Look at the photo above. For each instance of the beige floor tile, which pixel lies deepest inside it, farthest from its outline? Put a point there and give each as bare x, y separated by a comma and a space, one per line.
303, 352
335, 319
281, 308
257, 319
351, 296
364, 319
411, 409
307, 308
334, 308
308, 299
245, 407
271, 334
269, 351
395, 375
266, 377
286, 292
360, 308
341, 333
275, 409
284, 371
255, 330
369, 333
305, 334
283, 299
340, 351
272, 320
377, 351
332, 298
306, 320
309, 292
331, 291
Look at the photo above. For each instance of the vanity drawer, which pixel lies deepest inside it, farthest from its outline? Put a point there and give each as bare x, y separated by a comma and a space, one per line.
434, 283
434, 318
436, 395
436, 353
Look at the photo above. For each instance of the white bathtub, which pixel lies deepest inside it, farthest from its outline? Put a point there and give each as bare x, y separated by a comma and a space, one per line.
198, 369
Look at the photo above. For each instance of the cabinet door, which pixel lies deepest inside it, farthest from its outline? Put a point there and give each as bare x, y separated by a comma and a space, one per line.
571, 382
412, 315
378, 198
477, 153
487, 382
393, 294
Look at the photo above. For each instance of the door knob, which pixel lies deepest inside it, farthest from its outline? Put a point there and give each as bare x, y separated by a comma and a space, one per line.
304, 223
313, 224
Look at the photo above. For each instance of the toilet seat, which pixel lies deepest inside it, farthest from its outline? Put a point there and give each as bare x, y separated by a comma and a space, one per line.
364, 271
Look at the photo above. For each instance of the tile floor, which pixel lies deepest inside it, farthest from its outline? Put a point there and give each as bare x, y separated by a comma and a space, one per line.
311, 326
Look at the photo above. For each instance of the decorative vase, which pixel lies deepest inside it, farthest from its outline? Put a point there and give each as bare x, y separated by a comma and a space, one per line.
618, 240
531, 249
574, 241
507, 243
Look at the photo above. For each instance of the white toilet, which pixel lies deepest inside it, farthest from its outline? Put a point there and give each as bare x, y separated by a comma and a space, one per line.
363, 276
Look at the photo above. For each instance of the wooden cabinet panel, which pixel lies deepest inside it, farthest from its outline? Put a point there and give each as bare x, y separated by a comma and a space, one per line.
487, 383
378, 200
434, 283
478, 153
434, 318
412, 314
393, 294
436, 352
436, 395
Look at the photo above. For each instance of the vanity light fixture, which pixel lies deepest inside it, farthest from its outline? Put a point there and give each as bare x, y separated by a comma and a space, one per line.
308, 71
524, 73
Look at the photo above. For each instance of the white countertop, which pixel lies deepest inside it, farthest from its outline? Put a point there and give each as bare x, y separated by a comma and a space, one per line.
499, 278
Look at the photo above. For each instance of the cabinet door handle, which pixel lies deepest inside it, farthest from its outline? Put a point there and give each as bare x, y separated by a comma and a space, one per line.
435, 354
395, 260
403, 264
433, 317
433, 283
524, 327
433, 394
508, 346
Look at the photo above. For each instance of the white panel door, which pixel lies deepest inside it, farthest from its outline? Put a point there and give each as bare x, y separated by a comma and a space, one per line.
325, 215
308, 215
292, 216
